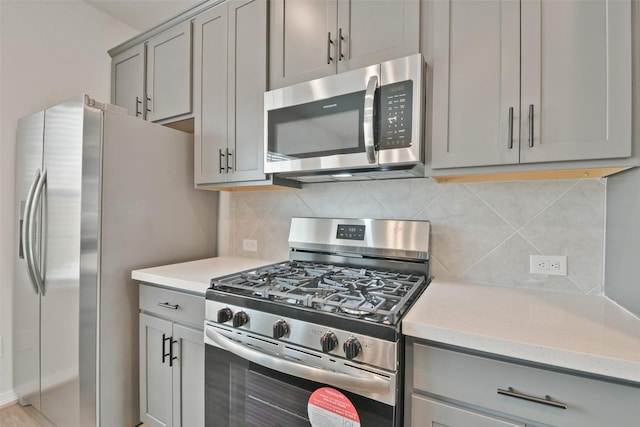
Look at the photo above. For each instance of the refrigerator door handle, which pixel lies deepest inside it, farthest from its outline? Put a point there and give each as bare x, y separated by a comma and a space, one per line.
24, 233
38, 192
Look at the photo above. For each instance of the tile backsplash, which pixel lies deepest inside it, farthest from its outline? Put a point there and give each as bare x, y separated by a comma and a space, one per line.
481, 232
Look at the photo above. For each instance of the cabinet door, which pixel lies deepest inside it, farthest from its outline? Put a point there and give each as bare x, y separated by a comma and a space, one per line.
127, 80
210, 88
247, 83
576, 75
188, 377
376, 31
303, 35
169, 73
427, 412
476, 83
155, 374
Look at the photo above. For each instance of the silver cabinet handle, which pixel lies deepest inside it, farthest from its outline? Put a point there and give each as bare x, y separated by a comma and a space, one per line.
31, 231
24, 235
368, 385
340, 41
329, 43
221, 169
367, 122
510, 136
148, 102
167, 305
545, 401
530, 125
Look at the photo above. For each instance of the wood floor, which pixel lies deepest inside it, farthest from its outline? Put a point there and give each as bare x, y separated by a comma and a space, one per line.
23, 416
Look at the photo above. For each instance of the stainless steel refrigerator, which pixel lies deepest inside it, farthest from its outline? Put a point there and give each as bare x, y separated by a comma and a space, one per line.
98, 194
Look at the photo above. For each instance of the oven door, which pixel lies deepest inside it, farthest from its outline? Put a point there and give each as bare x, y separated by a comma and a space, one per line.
322, 125
243, 393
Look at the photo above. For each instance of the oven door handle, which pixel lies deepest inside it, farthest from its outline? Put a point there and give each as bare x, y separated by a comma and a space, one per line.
357, 384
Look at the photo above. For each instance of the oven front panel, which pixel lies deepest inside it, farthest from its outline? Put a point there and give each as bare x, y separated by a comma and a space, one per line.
239, 393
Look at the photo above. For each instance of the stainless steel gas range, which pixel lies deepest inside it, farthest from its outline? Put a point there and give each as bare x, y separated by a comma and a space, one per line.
316, 340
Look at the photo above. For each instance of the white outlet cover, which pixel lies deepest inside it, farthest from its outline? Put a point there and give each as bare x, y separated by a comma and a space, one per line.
555, 265
249, 245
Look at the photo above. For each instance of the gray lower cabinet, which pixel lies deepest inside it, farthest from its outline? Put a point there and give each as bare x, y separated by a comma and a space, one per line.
171, 358
448, 387
316, 38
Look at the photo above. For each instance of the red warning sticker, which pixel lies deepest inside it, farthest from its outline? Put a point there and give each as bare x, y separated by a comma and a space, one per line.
329, 407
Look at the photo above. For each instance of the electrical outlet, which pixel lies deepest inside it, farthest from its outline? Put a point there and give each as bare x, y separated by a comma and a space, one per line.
548, 264
250, 245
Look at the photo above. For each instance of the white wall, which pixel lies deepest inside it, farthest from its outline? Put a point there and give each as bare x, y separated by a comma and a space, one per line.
50, 51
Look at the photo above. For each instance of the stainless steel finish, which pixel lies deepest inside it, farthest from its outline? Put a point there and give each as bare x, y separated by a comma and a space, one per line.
510, 131
34, 210
530, 125
376, 352
26, 302
168, 305
545, 401
327, 87
100, 213
24, 233
405, 162
389, 238
297, 361
369, 97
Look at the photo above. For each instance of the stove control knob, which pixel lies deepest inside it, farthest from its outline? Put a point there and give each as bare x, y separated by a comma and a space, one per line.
352, 347
280, 329
224, 315
240, 318
328, 341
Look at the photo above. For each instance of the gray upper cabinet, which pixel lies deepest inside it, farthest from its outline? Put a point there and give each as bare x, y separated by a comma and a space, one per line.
169, 73
230, 75
530, 82
127, 75
152, 79
315, 38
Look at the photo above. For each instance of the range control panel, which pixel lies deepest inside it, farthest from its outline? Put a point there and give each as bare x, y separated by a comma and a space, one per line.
396, 101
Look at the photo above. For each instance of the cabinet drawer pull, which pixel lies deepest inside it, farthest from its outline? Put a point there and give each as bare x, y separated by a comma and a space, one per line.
545, 401
229, 155
138, 102
167, 305
510, 134
340, 41
530, 125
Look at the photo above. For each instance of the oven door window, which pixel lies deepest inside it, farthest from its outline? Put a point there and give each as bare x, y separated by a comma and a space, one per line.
239, 393
317, 129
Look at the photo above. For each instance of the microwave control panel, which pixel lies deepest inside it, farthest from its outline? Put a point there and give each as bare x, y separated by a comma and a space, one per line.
395, 113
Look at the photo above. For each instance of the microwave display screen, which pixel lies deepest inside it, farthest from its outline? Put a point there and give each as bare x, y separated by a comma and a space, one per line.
319, 128
395, 111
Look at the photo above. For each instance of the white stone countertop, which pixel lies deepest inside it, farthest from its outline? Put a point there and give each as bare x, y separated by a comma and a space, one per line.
195, 276
585, 333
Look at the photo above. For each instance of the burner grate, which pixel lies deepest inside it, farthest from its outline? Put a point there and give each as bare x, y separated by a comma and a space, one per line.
369, 294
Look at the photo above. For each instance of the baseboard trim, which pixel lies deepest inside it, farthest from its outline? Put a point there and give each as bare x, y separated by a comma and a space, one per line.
8, 398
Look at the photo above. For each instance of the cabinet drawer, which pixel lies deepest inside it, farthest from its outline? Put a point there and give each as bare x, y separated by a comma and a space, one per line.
476, 380
178, 306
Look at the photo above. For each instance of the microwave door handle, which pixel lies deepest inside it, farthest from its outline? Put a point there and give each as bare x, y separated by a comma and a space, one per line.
367, 123
349, 382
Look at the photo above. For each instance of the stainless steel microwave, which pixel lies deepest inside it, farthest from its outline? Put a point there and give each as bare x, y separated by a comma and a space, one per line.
360, 124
